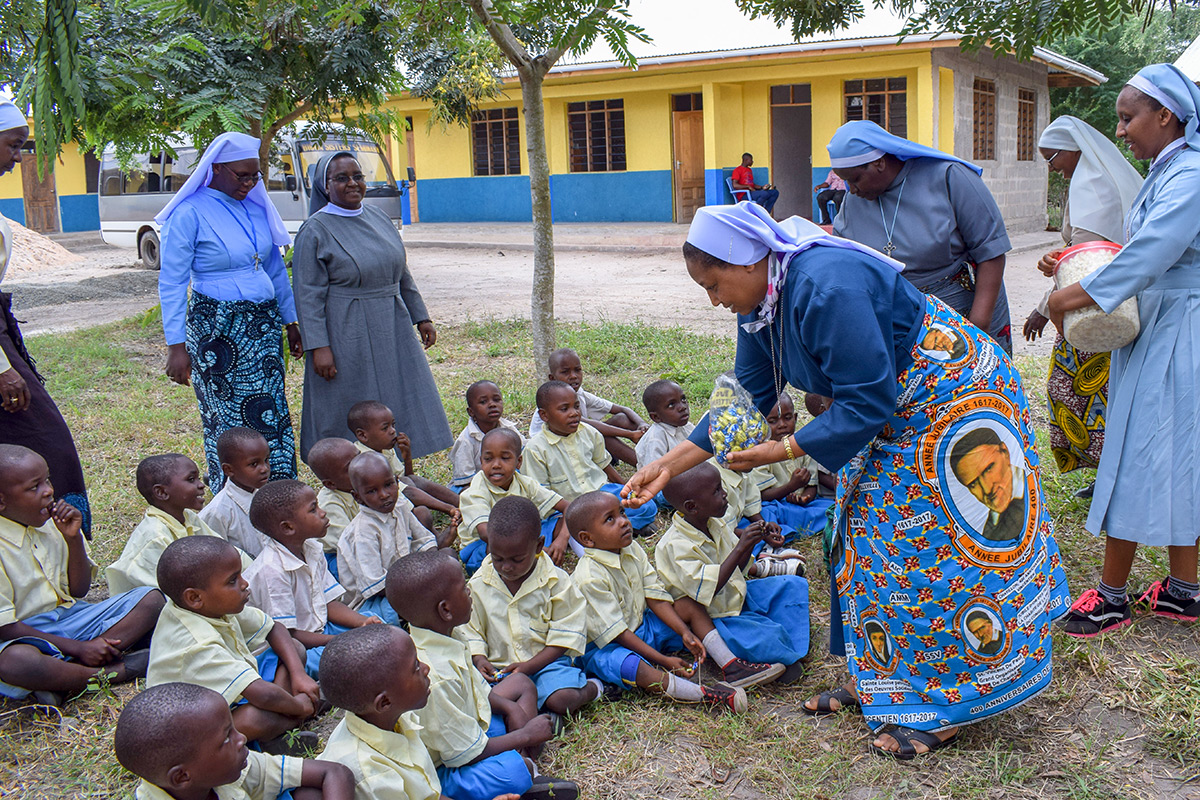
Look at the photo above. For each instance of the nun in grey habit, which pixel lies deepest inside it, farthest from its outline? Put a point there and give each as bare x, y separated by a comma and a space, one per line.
358, 305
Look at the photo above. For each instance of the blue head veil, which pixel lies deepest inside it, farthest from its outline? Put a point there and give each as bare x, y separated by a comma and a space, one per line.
861, 141
1168, 85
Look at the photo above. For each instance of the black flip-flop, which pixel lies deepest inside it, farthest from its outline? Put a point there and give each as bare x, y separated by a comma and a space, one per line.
905, 737
824, 709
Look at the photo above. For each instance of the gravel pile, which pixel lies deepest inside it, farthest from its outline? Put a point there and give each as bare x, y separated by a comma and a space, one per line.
33, 253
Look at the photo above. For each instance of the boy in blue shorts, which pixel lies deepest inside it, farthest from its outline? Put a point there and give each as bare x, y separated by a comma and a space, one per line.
478, 735
500, 456
179, 738
527, 616
568, 457
290, 579
51, 642
701, 558
632, 619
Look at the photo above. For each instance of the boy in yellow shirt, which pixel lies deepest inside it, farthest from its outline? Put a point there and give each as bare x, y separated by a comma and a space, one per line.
207, 635
179, 738
527, 616
329, 459
500, 456
51, 642
172, 486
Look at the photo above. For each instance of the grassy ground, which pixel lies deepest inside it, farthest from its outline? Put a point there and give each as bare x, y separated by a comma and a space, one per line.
1119, 721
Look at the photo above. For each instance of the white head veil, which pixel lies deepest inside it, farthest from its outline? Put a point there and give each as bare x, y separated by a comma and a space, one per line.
11, 116
1104, 184
225, 148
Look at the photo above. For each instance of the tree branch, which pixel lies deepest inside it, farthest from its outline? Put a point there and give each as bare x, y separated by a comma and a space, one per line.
501, 34
290, 117
552, 55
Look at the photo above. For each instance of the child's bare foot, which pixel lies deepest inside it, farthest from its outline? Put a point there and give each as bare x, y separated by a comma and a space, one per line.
832, 701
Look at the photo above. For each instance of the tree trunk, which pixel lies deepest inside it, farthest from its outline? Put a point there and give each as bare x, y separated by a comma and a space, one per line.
542, 308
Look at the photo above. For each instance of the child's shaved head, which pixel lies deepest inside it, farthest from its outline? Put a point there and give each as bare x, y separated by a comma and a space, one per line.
358, 664
155, 730
417, 582
514, 516
14, 461
236, 441
157, 470
548, 390
654, 395
191, 563
366, 465
688, 485
329, 458
361, 414
498, 436
583, 509
560, 355
479, 386
276, 502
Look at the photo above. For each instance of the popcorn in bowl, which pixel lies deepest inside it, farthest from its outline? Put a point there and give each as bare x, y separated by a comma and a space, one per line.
1089, 329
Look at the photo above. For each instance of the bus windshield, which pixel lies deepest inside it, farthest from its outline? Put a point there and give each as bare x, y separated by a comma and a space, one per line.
380, 182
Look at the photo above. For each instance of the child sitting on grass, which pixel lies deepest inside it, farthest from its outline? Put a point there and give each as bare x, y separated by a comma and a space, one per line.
329, 459
51, 642
669, 420
569, 458
485, 413
790, 496
501, 458
478, 736
179, 738
383, 531
246, 463
206, 635
172, 486
745, 514
527, 615
374, 427
290, 579
623, 424
631, 619
701, 558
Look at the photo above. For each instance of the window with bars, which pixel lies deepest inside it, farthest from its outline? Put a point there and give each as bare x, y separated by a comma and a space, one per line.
687, 102
984, 127
596, 129
1026, 124
496, 141
883, 101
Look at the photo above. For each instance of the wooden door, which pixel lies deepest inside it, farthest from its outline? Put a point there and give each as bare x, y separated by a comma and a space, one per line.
41, 201
688, 174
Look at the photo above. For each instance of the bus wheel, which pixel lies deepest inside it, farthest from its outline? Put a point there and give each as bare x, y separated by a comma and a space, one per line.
149, 250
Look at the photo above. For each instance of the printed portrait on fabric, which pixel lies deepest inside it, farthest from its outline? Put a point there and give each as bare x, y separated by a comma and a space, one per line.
989, 483
943, 344
878, 650
982, 630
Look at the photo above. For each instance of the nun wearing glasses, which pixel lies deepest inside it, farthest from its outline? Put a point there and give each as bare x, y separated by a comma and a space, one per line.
930, 211
358, 306
221, 235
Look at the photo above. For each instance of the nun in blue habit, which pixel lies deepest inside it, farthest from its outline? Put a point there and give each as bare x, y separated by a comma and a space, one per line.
930, 211
221, 235
1148, 482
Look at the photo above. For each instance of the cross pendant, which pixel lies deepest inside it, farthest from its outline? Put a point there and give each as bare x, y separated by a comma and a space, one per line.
258, 259
889, 248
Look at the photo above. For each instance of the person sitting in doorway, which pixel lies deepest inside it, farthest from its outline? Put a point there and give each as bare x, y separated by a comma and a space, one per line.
743, 179
831, 190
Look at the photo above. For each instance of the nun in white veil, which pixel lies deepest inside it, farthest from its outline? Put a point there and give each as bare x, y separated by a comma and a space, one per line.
1103, 185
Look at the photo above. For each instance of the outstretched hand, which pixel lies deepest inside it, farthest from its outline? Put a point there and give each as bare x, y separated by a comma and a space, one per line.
647, 482
766, 453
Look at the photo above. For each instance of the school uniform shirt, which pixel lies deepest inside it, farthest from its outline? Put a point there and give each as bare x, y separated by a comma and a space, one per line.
546, 611
476, 501
295, 593
464, 454
339, 508
387, 765
33, 570
215, 653
138, 564
457, 716
371, 543
264, 778
781, 471
689, 561
741, 489
659, 439
615, 587
393, 458
228, 513
570, 465
592, 406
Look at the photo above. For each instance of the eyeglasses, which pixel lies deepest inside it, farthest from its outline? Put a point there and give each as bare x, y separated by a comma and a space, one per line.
357, 177
1050, 160
244, 178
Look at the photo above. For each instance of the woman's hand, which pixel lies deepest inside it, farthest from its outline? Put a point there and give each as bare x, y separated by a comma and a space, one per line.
323, 362
14, 392
1034, 325
1049, 263
428, 333
647, 482
765, 453
295, 346
179, 364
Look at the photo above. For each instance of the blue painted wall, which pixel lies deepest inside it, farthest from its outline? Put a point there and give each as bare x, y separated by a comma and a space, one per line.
716, 188
497, 198
13, 208
611, 196
819, 175
80, 212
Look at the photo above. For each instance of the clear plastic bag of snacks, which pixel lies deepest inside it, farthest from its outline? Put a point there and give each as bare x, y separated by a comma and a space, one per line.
733, 421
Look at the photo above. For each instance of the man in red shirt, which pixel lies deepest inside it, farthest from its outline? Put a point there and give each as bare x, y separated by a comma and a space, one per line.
743, 178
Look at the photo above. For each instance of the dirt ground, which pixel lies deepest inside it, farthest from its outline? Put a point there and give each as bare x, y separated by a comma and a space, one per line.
459, 284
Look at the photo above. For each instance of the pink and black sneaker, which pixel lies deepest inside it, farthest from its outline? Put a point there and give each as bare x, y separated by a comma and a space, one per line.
1092, 615
1160, 602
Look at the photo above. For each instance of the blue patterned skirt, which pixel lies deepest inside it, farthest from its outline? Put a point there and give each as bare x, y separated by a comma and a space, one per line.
945, 565
237, 371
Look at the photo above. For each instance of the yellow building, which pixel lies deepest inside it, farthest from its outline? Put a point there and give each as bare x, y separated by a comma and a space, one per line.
655, 143
64, 199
